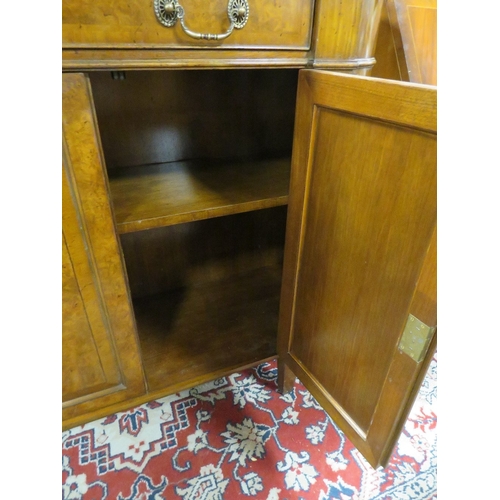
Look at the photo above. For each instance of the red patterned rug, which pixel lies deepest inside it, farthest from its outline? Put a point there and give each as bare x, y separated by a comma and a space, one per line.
236, 437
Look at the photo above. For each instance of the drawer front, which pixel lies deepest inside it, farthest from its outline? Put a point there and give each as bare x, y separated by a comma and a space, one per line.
268, 24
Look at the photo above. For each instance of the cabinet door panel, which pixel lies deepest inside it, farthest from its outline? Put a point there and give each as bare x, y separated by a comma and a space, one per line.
101, 360
83, 372
362, 214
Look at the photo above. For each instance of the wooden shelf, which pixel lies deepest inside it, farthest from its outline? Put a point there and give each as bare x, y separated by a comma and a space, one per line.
194, 333
171, 193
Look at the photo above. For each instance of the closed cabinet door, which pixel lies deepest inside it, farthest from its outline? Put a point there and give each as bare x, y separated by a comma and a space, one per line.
101, 359
358, 305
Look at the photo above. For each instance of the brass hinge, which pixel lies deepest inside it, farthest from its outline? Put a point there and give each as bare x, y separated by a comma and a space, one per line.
415, 339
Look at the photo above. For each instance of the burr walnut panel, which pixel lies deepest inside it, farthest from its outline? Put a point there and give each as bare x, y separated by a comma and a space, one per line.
133, 24
101, 360
89, 364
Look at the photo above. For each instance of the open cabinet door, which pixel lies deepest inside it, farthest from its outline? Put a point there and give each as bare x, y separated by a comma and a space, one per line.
358, 305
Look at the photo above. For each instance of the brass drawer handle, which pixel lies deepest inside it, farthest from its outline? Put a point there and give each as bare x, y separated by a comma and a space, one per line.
168, 11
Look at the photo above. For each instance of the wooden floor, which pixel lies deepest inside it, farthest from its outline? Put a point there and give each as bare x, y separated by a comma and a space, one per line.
172, 193
200, 330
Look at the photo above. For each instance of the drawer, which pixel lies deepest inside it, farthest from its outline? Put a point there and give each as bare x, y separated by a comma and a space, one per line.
124, 24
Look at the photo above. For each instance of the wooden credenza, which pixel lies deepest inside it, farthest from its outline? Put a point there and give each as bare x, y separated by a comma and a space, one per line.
225, 202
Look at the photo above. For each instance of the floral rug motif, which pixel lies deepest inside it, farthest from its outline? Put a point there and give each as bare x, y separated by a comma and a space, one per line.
237, 437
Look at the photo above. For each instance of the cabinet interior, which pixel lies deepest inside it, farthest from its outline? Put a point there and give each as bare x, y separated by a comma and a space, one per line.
198, 165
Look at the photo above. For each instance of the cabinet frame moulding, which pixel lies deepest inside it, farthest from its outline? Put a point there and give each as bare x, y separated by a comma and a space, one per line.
92, 59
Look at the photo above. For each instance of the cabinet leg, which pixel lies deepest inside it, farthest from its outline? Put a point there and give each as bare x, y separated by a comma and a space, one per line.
286, 378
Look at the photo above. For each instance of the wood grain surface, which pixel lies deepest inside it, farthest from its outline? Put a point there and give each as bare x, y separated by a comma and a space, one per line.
165, 116
89, 364
133, 24
144, 59
197, 330
184, 255
109, 369
362, 212
345, 31
172, 193
414, 30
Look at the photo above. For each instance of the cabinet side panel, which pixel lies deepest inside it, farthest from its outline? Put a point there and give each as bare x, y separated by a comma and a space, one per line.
414, 30
387, 65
